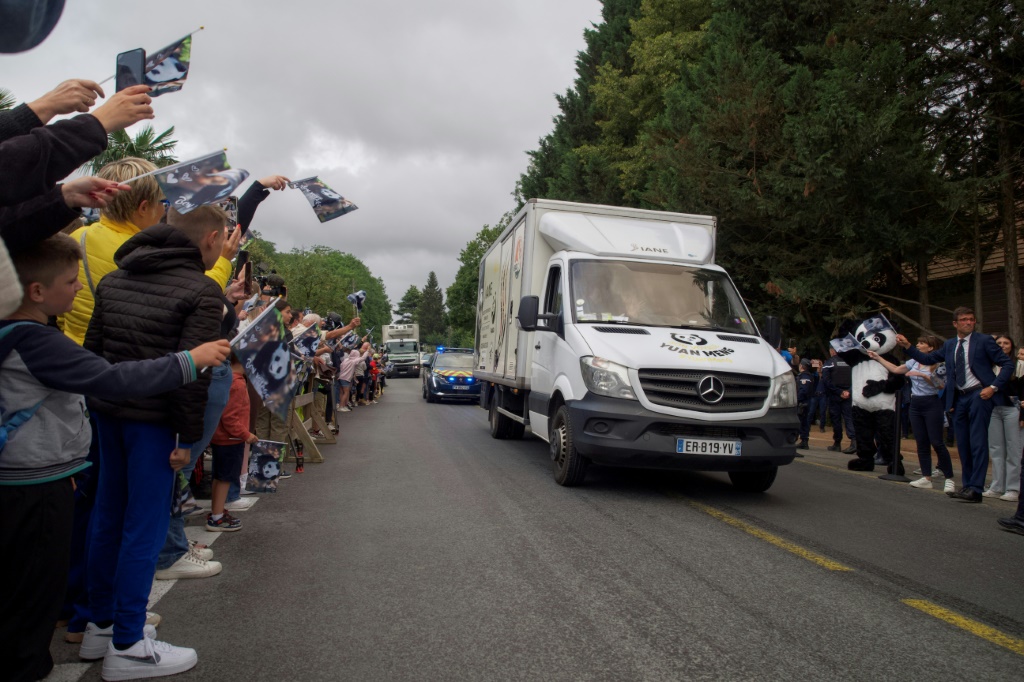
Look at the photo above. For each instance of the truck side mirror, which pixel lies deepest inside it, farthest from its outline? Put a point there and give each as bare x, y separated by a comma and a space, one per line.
772, 332
527, 317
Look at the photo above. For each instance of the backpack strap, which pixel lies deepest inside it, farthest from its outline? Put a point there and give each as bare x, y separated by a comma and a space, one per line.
85, 263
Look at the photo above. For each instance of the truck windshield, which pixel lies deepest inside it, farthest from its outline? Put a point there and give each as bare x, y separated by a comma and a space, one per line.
657, 295
402, 347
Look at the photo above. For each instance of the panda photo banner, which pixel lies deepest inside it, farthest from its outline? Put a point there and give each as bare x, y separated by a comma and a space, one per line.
307, 342
265, 466
206, 180
845, 344
327, 204
263, 352
167, 69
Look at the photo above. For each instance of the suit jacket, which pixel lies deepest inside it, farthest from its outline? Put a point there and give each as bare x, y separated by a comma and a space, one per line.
983, 354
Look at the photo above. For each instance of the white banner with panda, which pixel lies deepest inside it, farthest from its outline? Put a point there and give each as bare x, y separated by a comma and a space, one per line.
267, 359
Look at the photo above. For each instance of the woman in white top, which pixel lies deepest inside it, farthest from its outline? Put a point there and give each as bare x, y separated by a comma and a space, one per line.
926, 383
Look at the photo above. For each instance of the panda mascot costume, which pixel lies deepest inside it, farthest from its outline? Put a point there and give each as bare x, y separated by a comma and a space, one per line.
874, 391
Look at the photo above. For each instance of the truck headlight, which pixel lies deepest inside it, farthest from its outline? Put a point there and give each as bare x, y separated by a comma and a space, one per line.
783, 391
605, 377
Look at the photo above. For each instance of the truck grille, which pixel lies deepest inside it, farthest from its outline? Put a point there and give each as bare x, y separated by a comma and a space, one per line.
679, 389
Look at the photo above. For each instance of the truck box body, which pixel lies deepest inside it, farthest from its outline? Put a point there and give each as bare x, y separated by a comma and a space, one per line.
639, 291
403, 344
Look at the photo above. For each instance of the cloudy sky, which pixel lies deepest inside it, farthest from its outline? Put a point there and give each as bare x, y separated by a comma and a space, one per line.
419, 111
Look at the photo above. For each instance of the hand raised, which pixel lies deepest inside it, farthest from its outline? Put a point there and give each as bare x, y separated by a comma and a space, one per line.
67, 98
91, 192
125, 108
902, 341
276, 182
231, 244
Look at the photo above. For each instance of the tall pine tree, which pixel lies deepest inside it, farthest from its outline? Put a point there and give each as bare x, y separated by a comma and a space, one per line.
430, 314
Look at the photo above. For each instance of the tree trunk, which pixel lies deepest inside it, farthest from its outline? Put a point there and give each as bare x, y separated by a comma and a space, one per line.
922, 291
1009, 227
978, 263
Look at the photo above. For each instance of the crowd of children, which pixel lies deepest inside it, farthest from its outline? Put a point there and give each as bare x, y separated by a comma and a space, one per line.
117, 375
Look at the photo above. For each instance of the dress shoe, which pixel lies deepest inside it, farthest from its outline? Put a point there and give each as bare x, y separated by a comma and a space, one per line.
1014, 524
835, 448
858, 464
968, 495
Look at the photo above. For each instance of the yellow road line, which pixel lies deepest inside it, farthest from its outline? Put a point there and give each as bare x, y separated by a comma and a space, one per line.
972, 626
768, 537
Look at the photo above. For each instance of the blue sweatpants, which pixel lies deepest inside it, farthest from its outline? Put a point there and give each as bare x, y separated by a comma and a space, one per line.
129, 524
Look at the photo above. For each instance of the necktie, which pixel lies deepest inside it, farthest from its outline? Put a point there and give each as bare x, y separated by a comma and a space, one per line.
961, 365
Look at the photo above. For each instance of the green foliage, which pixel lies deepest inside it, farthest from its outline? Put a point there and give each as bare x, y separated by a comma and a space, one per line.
462, 294
147, 144
7, 99
409, 305
430, 313
835, 142
321, 278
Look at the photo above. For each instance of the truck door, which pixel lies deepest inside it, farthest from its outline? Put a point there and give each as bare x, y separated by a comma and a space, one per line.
544, 343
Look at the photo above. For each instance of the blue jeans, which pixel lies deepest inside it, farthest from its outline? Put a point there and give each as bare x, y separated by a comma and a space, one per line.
176, 544
129, 522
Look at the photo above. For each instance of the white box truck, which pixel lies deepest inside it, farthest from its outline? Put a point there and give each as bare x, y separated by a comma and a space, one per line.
613, 335
403, 345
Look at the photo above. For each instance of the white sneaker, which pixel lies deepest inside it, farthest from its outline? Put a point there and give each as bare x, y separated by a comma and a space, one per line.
189, 566
147, 658
922, 482
345, 409
990, 493
95, 640
1010, 496
241, 504
949, 486
204, 553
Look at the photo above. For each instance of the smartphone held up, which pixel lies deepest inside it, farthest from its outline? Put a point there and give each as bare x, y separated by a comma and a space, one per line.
131, 67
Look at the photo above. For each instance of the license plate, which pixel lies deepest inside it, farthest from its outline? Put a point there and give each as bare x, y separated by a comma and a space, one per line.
461, 388
702, 446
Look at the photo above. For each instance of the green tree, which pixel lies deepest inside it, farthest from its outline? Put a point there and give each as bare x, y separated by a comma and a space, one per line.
408, 307
147, 144
557, 169
462, 294
430, 314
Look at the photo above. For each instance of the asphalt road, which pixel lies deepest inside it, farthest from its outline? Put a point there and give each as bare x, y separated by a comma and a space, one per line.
424, 550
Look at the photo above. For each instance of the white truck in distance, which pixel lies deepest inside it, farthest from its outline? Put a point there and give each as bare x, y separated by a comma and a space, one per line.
403, 345
613, 335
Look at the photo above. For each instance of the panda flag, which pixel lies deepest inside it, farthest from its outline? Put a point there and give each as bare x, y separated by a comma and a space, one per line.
357, 299
206, 180
167, 69
327, 204
307, 342
263, 352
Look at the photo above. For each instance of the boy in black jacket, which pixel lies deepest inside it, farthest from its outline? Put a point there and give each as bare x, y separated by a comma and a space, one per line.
158, 301
44, 437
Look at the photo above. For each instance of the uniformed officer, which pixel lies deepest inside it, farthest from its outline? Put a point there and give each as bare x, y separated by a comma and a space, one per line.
805, 385
840, 402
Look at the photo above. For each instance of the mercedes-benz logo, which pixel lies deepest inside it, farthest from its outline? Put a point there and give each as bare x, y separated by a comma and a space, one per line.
710, 389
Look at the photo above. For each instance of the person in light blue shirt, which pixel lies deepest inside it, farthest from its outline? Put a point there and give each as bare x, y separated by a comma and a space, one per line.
926, 383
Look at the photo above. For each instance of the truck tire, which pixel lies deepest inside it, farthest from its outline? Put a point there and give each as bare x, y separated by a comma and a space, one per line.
753, 481
502, 427
569, 466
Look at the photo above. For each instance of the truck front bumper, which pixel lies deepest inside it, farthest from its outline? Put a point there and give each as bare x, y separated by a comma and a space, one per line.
624, 433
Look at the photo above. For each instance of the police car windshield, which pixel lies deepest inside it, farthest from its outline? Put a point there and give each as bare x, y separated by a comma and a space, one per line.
657, 295
453, 361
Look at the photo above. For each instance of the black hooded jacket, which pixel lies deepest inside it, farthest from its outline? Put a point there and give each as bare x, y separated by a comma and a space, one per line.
159, 301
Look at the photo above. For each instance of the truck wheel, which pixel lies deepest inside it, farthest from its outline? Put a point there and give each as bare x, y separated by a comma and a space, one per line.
753, 481
502, 427
570, 467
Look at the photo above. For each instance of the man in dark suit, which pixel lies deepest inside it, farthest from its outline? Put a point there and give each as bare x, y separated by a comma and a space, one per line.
970, 358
